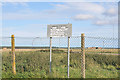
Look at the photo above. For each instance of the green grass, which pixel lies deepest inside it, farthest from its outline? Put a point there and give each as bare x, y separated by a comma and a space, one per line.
35, 64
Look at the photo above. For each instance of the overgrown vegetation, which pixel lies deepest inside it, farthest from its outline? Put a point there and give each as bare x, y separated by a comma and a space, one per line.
35, 64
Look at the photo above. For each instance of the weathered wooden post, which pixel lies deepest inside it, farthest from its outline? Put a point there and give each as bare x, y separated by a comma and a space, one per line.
82, 55
13, 53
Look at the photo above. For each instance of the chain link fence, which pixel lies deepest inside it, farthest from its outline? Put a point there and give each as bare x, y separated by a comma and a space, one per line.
103, 54
33, 55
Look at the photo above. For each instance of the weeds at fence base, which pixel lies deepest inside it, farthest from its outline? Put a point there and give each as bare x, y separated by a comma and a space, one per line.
97, 66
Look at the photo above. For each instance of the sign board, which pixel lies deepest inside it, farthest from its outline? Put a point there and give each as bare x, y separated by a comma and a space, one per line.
59, 30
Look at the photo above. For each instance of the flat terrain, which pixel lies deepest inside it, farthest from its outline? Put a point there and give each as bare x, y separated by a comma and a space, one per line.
72, 50
35, 64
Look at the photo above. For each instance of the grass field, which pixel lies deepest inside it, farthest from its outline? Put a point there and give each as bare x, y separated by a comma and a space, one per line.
35, 64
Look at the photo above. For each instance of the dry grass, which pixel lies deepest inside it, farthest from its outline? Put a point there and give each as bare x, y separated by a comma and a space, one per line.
65, 49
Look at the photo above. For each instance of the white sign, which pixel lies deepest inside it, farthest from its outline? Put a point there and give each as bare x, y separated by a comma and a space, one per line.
59, 30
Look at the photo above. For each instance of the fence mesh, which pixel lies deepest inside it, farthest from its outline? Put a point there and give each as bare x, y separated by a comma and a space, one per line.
102, 57
33, 55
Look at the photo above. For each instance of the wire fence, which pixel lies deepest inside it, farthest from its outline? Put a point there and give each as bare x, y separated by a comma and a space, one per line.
61, 41
33, 54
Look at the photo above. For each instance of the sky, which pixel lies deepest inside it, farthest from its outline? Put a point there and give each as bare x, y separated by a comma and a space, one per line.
30, 19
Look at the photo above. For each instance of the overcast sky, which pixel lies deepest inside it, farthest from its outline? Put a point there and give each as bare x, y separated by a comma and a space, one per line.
30, 19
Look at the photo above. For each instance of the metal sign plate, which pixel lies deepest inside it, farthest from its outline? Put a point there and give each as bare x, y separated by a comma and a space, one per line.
59, 30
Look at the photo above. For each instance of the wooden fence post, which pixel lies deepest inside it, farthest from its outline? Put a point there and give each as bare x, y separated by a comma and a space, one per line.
82, 55
13, 53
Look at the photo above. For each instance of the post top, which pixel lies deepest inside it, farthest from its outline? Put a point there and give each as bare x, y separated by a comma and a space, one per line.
12, 35
82, 34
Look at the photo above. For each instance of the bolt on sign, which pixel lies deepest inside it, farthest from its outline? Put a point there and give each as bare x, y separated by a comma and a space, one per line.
59, 30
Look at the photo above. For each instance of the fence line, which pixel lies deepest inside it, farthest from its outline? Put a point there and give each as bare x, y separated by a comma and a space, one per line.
77, 42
